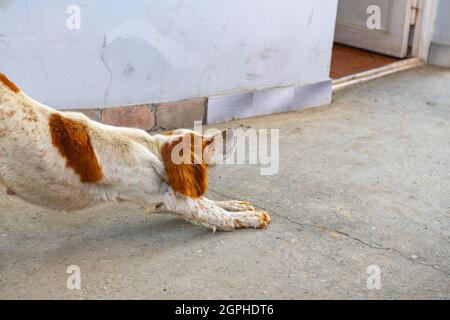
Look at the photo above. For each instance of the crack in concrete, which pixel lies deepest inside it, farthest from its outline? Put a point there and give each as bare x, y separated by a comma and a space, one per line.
102, 57
372, 245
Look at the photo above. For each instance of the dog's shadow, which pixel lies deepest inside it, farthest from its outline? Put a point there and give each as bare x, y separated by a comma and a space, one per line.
145, 234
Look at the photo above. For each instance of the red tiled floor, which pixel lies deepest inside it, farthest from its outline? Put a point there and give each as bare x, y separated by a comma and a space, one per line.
348, 60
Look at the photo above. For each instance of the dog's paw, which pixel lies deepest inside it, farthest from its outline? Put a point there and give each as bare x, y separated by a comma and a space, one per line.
265, 220
251, 219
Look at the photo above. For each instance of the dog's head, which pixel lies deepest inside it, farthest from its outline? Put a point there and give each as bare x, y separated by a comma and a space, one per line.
187, 156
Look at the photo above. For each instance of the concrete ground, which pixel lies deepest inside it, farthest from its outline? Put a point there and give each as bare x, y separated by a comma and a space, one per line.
363, 182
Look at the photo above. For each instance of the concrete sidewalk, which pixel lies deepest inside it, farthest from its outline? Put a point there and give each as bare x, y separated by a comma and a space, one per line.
363, 182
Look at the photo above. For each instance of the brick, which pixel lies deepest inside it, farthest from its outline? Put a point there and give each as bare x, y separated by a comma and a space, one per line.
180, 114
138, 116
93, 114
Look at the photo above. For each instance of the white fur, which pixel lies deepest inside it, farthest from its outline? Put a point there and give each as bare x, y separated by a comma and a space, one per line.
32, 168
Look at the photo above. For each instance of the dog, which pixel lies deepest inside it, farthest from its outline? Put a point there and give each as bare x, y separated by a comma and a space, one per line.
66, 161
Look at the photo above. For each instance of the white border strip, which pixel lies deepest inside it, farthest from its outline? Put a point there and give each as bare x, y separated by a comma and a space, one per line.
365, 76
268, 101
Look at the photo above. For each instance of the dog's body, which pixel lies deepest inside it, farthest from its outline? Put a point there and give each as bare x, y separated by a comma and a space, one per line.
65, 161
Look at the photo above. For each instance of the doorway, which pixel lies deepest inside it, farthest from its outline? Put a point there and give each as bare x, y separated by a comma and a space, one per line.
347, 60
371, 34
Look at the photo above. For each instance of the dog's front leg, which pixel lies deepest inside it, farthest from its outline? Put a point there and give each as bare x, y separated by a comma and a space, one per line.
232, 205
204, 212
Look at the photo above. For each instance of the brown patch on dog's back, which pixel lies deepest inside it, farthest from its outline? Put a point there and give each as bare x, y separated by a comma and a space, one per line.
72, 140
9, 83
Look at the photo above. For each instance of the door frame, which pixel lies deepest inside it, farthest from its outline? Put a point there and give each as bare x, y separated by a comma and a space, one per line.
421, 43
391, 39
424, 28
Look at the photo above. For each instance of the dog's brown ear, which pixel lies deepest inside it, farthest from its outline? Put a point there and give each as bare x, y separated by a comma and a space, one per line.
186, 172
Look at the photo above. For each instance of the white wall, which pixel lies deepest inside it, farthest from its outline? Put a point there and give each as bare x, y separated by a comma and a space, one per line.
440, 43
442, 27
130, 52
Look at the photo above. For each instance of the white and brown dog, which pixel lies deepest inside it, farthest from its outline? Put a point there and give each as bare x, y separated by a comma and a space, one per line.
65, 161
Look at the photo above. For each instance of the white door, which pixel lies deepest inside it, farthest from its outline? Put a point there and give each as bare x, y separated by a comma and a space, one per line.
395, 24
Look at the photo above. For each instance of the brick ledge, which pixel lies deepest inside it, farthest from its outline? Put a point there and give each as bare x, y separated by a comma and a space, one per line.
183, 113
151, 116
